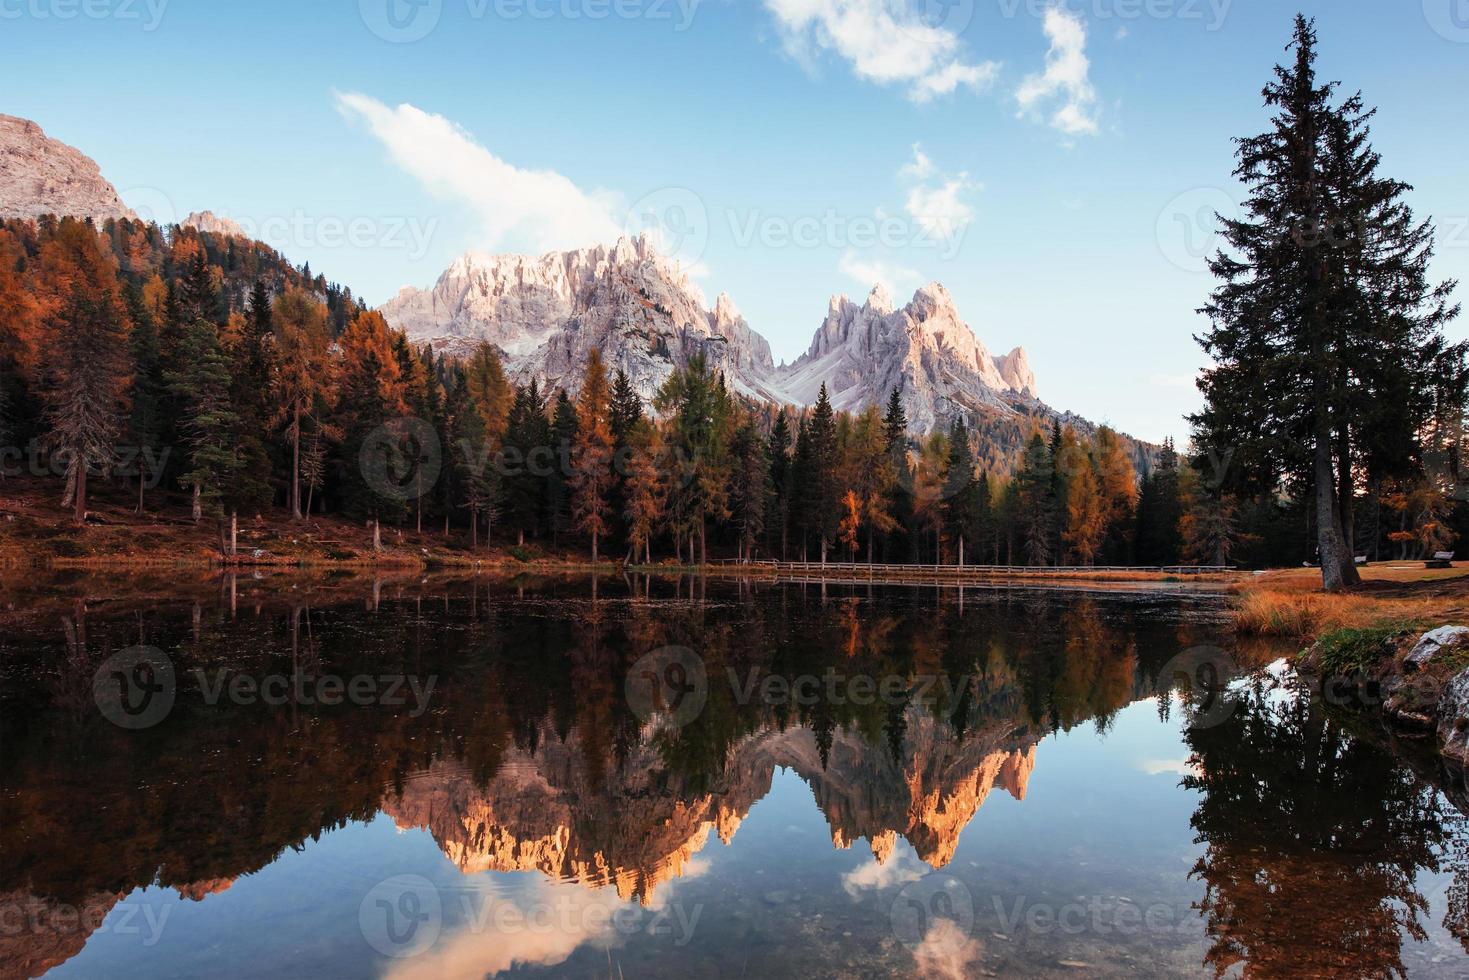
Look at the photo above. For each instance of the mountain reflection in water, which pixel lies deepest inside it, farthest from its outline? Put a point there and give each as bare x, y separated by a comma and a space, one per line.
535, 766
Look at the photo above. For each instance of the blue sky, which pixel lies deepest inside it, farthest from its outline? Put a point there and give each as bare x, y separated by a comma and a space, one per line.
1053, 166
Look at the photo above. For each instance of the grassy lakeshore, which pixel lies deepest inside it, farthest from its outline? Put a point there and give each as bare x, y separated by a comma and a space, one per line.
1289, 603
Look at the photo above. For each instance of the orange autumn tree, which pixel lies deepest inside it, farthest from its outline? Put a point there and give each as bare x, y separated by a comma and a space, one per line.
85, 330
19, 326
645, 489
303, 374
851, 522
591, 458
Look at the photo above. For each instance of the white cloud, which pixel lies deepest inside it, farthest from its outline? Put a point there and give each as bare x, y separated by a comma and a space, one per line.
1123, 33
947, 952
1065, 77
537, 210
936, 200
868, 272
553, 923
885, 41
876, 875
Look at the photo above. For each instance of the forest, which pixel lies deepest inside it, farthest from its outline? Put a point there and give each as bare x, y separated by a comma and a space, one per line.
180, 362
177, 362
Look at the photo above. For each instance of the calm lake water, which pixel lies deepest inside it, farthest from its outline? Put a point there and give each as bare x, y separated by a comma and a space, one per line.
672, 778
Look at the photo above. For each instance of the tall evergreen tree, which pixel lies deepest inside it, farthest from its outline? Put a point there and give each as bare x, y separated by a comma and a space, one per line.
824, 501
210, 423
1324, 328
961, 508
86, 357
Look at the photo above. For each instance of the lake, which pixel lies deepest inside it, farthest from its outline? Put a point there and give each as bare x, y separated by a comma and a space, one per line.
675, 777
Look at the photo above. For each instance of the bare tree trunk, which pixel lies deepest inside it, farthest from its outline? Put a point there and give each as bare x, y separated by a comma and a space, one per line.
594, 548
1328, 527
377, 535
961, 551
296, 463
142, 485
198, 506
234, 533
79, 496
473, 531
1346, 495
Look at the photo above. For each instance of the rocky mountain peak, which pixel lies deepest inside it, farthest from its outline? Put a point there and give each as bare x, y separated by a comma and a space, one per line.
213, 224
40, 175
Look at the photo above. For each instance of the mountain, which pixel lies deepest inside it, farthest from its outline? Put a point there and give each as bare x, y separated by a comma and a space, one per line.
212, 224
40, 175
638, 827
861, 353
545, 314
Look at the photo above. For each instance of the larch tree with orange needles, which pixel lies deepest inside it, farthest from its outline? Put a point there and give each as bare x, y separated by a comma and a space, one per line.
591, 458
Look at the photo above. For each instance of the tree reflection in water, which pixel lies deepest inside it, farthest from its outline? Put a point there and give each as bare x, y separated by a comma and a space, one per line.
532, 759
1314, 843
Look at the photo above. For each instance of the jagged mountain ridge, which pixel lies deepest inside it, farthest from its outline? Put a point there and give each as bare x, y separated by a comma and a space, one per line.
634, 831
545, 313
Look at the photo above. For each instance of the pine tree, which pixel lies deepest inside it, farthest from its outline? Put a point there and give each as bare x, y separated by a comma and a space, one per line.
959, 493
526, 460
591, 463
751, 490
825, 499
900, 494
1324, 329
210, 423
475, 478
1034, 487
86, 357
563, 435
145, 423
778, 513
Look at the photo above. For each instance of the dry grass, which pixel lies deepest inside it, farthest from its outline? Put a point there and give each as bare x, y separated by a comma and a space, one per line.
1291, 604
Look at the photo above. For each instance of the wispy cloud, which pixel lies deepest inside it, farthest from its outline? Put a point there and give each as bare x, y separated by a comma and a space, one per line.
868, 272
1066, 79
936, 200
886, 42
538, 210
876, 875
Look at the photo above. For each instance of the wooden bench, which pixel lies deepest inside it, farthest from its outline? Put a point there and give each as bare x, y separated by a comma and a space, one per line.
1440, 559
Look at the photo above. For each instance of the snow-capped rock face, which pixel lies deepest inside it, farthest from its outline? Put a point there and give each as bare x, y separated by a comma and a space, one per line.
861, 353
546, 314
40, 175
